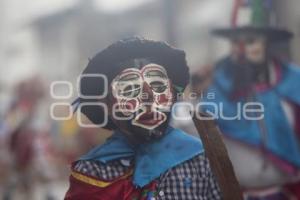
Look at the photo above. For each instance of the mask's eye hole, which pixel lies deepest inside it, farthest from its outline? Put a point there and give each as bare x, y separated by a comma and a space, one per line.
157, 80
129, 86
158, 86
156, 73
130, 91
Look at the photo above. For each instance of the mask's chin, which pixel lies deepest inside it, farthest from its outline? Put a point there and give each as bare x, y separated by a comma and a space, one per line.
139, 135
143, 135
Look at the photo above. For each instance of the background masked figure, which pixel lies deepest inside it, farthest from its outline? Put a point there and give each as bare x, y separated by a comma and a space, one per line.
145, 158
264, 144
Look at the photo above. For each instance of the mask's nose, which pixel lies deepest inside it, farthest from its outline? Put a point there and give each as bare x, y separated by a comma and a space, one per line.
147, 93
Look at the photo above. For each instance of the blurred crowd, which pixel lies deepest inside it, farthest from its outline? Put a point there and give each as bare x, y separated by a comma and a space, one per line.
36, 151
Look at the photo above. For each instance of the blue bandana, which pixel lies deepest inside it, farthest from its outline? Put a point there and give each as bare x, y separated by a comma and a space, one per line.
151, 159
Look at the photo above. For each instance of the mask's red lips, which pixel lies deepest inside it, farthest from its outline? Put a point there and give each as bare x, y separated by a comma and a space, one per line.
151, 118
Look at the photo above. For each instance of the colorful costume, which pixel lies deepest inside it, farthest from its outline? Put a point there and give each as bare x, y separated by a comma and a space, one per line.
145, 158
164, 170
272, 140
281, 144
285, 146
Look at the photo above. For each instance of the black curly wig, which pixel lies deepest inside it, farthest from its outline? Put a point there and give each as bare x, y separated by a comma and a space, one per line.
107, 62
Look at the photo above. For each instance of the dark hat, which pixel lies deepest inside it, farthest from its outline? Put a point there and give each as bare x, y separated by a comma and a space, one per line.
254, 16
107, 63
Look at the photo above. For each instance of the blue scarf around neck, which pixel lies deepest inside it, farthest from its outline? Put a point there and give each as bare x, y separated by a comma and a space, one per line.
151, 159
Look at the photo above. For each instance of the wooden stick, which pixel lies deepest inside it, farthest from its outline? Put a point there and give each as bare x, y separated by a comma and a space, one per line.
218, 158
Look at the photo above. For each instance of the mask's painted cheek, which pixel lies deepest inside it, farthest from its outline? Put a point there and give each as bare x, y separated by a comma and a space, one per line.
129, 106
125, 106
165, 101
